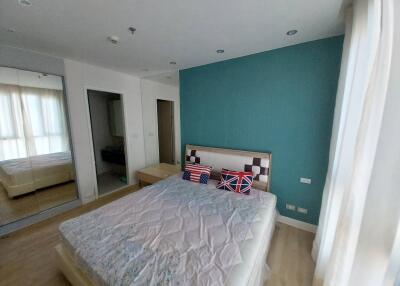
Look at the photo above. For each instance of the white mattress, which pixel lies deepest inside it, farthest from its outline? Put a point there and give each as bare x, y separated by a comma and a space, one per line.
22, 171
175, 233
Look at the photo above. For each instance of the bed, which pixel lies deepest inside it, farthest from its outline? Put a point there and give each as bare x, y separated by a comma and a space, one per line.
22, 176
175, 232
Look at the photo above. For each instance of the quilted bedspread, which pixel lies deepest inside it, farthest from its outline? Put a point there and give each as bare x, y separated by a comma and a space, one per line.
175, 232
15, 166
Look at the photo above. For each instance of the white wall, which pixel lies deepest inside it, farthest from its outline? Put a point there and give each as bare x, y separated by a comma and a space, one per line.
151, 91
100, 127
79, 77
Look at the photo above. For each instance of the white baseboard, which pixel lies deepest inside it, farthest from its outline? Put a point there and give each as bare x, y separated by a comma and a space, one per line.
297, 223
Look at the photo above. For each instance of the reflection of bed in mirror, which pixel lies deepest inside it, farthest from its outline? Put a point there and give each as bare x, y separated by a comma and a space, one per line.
22, 176
36, 161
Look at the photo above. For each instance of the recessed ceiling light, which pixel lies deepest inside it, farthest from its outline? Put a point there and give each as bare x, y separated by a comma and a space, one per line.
220, 51
291, 32
172, 63
132, 30
25, 2
113, 39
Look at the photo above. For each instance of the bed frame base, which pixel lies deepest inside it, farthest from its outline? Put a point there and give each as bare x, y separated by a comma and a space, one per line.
67, 266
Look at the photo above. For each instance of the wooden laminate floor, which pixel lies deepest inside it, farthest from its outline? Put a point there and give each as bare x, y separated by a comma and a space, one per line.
27, 256
34, 202
290, 257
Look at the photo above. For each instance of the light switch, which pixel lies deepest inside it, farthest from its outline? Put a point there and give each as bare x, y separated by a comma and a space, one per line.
302, 210
291, 207
305, 180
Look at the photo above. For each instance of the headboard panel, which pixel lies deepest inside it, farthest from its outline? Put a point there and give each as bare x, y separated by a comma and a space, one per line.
237, 160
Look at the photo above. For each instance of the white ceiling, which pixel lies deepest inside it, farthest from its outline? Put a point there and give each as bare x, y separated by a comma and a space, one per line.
186, 31
170, 78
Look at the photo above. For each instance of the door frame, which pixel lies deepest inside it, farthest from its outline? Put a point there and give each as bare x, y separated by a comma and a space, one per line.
173, 127
127, 164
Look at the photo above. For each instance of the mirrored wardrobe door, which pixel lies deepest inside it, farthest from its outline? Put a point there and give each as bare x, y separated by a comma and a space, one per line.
36, 161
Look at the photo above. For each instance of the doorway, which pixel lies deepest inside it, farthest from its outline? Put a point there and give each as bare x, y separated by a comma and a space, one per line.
108, 136
166, 137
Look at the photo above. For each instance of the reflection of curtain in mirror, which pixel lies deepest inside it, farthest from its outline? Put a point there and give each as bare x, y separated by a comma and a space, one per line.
32, 122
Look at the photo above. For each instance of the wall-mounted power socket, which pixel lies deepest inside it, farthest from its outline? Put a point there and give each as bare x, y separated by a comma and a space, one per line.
291, 207
305, 180
302, 210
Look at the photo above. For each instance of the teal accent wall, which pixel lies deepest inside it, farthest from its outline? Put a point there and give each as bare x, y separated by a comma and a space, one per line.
280, 101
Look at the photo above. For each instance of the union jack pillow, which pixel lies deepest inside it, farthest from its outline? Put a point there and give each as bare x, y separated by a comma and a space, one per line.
238, 182
197, 173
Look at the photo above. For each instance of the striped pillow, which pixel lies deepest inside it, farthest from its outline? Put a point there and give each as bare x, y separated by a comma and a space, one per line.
197, 173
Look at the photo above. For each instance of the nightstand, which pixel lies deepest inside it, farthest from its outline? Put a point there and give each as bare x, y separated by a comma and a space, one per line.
157, 173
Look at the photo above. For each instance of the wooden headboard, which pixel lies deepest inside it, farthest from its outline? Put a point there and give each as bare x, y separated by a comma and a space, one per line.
236, 160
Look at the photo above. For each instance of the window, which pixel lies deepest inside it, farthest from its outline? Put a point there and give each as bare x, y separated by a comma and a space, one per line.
32, 122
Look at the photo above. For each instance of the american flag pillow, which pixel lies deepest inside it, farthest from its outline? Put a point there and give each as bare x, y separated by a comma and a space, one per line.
197, 173
238, 182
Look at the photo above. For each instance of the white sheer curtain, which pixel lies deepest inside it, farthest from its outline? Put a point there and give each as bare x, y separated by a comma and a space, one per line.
12, 139
357, 122
32, 122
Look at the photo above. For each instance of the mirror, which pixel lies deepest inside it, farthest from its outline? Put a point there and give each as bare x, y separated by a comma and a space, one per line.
115, 117
36, 161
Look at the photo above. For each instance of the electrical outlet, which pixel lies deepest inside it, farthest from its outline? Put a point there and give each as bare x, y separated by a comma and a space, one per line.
302, 210
305, 180
291, 207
